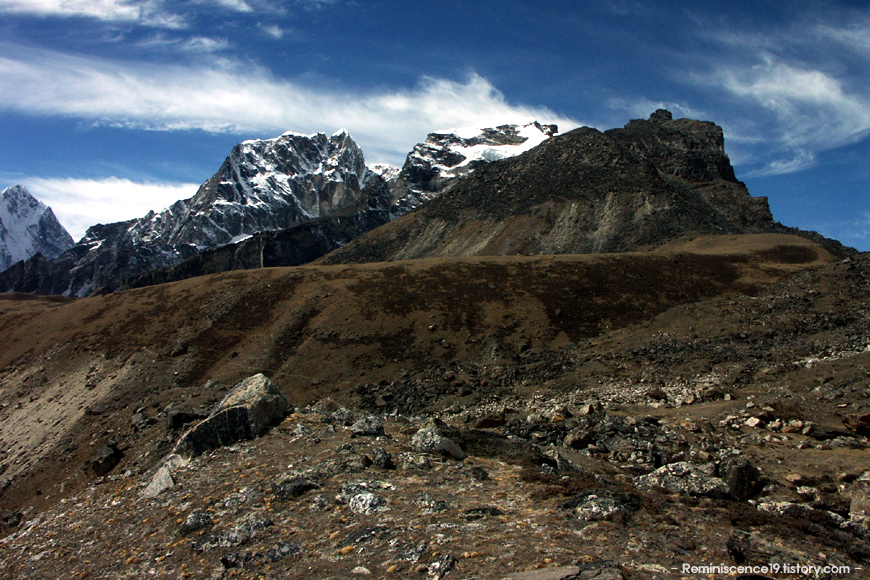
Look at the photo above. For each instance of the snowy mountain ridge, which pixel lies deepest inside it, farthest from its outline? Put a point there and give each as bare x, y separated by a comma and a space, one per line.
28, 227
454, 153
270, 185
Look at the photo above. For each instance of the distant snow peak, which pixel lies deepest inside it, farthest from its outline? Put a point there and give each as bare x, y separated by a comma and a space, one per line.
28, 227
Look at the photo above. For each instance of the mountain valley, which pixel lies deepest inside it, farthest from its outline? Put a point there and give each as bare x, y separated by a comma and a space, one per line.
600, 358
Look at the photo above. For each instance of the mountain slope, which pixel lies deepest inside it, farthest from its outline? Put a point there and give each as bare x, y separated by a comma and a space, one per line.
27, 228
569, 381
580, 192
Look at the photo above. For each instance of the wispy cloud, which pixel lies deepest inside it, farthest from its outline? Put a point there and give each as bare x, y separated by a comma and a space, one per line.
800, 88
193, 44
812, 106
236, 5
145, 12
81, 203
230, 97
273, 30
316, 4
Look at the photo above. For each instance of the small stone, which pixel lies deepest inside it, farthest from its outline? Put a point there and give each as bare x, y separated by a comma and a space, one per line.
753, 422
429, 440
441, 567
195, 521
391, 569
302, 430
361, 570
292, 488
685, 479
382, 459
366, 503
347, 550
283, 549
368, 426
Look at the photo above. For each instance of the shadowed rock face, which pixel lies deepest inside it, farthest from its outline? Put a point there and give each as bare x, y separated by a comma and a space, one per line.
584, 191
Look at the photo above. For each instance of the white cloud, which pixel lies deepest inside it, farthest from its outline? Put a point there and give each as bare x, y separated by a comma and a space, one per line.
236, 98
811, 109
81, 203
147, 12
273, 30
237, 5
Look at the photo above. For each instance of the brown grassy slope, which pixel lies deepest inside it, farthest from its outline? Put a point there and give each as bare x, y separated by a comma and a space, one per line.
73, 374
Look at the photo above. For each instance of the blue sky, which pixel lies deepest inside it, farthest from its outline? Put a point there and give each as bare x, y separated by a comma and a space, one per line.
109, 108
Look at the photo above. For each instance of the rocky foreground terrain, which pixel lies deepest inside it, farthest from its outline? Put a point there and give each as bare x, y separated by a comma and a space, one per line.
615, 416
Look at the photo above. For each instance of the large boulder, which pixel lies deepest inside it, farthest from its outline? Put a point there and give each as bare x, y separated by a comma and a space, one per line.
245, 413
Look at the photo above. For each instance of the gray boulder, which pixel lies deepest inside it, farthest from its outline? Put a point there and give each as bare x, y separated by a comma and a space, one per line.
368, 426
430, 440
245, 413
366, 503
161, 477
685, 478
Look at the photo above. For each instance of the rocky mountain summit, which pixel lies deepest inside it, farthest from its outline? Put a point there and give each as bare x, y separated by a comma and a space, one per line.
28, 227
584, 191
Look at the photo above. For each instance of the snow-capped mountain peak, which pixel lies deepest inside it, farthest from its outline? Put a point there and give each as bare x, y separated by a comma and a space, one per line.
28, 227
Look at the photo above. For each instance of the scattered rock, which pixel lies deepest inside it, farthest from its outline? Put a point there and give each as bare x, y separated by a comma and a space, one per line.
238, 559
162, 478
366, 535
282, 550
597, 505
302, 430
246, 529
